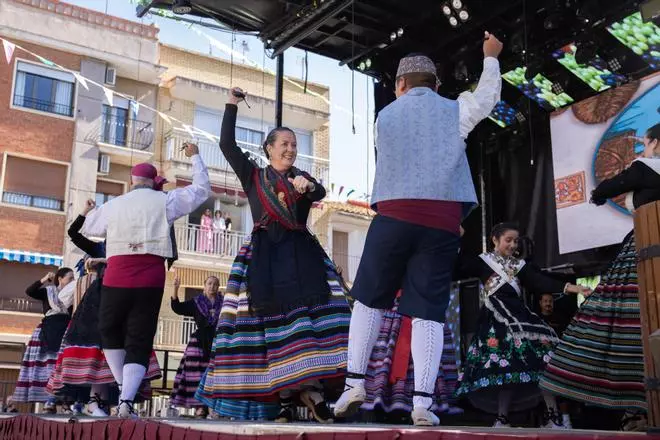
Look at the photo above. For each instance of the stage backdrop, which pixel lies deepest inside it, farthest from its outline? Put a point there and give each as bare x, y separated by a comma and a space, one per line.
592, 141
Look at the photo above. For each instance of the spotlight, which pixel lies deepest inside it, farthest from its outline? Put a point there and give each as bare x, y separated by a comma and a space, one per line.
614, 64
181, 7
453, 21
393, 36
446, 9
464, 15
557, 89
457, 4
399, 32
367, 63
362, 66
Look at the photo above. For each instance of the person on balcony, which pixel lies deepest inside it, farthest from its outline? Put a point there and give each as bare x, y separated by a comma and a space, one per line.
81, 369
41, 351
512, 345
599, 360
137, 227
283, 327
205, 309
422, 190
205, 237
219, 228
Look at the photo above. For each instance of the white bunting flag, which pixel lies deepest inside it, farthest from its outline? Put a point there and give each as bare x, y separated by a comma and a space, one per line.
136, 108
81, 79
108, 95
207, 135
9, 50
189, 130
165, 118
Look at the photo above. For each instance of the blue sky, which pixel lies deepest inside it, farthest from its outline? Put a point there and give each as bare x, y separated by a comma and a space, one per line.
351, 155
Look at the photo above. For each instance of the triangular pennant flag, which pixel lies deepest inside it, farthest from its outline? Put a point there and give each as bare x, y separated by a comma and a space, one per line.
108, 95
45, 61
135, 106
81, 79
9, 50
189, 130
207, 135
165, 118
332, 187
348, 194
341, 189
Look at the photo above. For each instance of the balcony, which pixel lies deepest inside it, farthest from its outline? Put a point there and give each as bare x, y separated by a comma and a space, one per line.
43, 105
213, 158
15, 198
174, 333
348, 263
126, 140
193, 240
20, 305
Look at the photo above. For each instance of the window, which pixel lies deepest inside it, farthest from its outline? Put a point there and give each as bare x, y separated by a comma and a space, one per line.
44, 89
34, 183
115, 124
106, 191
304, 143
251, 137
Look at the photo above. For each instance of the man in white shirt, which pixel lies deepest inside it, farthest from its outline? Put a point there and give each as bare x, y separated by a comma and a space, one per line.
137, 226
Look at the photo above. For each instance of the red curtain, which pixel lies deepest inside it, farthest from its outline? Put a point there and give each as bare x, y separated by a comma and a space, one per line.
36, 428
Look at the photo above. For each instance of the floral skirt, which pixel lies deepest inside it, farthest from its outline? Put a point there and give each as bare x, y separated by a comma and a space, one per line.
36, 368
255, 357
389, 397
81, 362
599, 360
499, 358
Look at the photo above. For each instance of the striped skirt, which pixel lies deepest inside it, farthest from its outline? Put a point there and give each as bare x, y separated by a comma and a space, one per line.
36, 368
258, 356
381, 394
189, 375
599, 360
81, 362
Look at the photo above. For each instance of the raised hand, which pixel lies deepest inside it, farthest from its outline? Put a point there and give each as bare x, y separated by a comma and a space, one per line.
492, 46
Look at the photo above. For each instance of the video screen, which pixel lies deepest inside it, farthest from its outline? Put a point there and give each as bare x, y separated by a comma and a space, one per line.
503, 114
590, 282
539, 89
595, 73
594, 140
642, 38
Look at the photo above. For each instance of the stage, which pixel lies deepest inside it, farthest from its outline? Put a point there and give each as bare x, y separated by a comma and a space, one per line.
28, 427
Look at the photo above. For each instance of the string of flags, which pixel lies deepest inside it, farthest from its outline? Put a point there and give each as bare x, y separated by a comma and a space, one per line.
135, 106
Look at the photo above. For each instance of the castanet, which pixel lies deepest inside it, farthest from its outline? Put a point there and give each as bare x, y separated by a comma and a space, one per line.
647, 243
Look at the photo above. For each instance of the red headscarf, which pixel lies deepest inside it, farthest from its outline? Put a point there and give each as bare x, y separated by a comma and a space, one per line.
148, 171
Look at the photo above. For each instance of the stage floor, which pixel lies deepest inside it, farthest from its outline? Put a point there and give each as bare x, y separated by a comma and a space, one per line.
62, 427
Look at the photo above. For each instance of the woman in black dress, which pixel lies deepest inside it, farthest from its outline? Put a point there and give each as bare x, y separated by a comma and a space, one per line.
512, 344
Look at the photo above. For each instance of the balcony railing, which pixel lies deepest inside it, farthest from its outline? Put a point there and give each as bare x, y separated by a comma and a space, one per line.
174, 332
194, 239
15, 198
348, 263
122, 132
20, 305
43, 106
213, 157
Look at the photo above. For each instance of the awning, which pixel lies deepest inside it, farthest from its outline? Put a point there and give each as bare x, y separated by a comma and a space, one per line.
30, 257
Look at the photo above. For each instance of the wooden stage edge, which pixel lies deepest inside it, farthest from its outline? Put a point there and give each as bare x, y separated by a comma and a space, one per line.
299, 429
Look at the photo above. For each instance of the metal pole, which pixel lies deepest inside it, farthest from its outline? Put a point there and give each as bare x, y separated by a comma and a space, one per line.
279, 90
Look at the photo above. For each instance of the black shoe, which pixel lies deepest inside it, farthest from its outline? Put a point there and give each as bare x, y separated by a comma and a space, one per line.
287, 414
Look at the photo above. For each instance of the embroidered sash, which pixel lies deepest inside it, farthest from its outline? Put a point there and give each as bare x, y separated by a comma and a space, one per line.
278, 197
505, 270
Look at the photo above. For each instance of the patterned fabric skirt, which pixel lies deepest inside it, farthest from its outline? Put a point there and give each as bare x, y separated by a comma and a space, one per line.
81, 362
502, 359
599, 360
35, 370
258, 356
383, 395
189, 375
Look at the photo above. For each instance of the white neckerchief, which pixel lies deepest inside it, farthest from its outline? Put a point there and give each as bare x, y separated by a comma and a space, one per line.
506, 271
56, 305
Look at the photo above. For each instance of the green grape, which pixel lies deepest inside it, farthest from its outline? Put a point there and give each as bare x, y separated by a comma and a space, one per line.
647, 30
643, 46
637, 50
640, 36
626, 27
616, 25
655, 53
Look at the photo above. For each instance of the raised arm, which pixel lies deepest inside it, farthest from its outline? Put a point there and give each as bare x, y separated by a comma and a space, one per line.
83, 243
535, 280
183, 201
37, 290
476, 106
96, 223
627, 180
238, 160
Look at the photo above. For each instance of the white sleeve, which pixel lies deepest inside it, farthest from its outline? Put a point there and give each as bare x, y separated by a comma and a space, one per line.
67, 293
96, 223
183, 201
476, 106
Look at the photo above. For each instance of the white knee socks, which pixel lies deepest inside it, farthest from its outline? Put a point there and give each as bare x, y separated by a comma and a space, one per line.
133, 376
115, 359
426, 347
362, 335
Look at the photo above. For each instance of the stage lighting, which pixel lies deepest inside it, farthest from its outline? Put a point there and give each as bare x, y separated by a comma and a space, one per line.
399, 32
181, 7
393, 36
446, 10
457, 4
453, 21
464, 15
520, 116
557, 89
614, 64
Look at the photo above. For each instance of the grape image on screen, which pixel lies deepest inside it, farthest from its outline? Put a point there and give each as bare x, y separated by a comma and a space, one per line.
595, 73
538, 89
503, 114
642, 38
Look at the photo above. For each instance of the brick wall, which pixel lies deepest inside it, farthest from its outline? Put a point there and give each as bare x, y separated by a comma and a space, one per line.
30, 230
18, 323
322, 142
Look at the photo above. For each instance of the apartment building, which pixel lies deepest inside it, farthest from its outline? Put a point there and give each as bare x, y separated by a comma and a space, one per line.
62, 143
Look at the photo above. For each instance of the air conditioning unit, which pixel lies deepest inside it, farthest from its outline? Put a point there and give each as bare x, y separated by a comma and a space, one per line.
110, 76
104, 164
